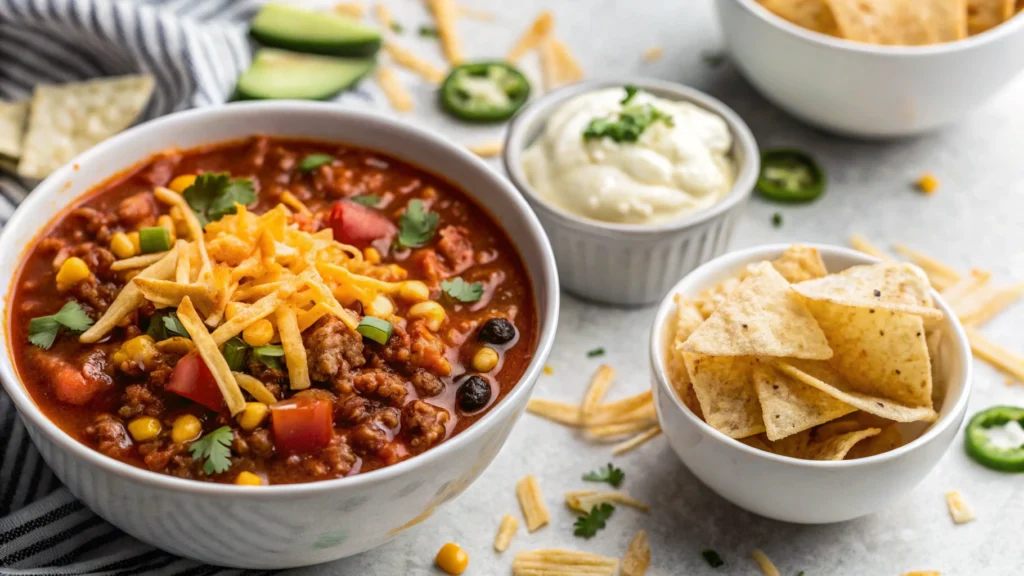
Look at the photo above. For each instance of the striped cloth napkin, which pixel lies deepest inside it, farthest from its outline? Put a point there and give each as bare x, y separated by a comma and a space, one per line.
195, 49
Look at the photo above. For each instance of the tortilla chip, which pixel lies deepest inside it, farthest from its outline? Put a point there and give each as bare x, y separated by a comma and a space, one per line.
763, 317
12, 127
900, 287
823, 377
8, 165
800, 263
880, 352
983, 15
904, 23
67, 120
808, 446
725, 390
789, 406
810, 14
688, 318
890, 438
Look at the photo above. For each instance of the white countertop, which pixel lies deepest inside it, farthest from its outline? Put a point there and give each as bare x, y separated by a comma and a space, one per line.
975, 219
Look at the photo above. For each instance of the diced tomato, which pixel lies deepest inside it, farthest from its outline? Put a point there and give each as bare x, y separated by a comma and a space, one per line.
72, 386
358, 225
193, 380
302, 424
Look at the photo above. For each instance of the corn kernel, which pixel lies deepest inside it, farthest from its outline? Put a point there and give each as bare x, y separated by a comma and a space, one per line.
381, 307
246, 478
144, 428
234, 309
452, 559
134, 237
928, 183
431, 312
121, 246
414, 291
165, 222
485, 359
259, 333
253, 415
186, 428
371, 255
180, 225
181, 183
72, 271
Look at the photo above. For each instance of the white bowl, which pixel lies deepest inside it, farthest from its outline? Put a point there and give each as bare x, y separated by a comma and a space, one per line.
806, 491
289, 525
865, 90
632, 264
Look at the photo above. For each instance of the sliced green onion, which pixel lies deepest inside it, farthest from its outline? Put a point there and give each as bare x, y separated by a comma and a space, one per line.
154, 239
235, 352
375, 329
269, 355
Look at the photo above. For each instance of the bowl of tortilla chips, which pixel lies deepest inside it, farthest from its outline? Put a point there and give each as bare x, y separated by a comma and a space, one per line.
808, 383
876, 68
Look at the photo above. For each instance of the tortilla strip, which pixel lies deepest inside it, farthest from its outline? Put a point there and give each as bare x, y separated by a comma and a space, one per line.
490, 149
445, 13
294, 350
550, 72
636, 441
532, 37
410, 61
128, 299
567, 64
134, 262
195, 229
397, 94
990, 309
584, 500
596, 392
638, 556
506, 530
183, 267
995, 354
209, 351
862, 244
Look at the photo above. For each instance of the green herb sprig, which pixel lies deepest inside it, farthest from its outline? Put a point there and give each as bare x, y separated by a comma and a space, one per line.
609, 474
712, 558
314, 161
215, 447
416, 226
589, 524
42, 331
629, 123
269, 355
459, 289
213, 195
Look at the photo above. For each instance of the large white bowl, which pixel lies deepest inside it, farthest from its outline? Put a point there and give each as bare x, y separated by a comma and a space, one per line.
806, 491
289, 525
865, 90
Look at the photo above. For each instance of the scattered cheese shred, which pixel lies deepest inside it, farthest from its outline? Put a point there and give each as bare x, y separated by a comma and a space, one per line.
959, 511
555, 562
638, 556
490, 149
862, 244
444, 14
414, 63
766, 566
399, 97
351, 9
506, 530
532, 37
636, 441
653, 53
531, 500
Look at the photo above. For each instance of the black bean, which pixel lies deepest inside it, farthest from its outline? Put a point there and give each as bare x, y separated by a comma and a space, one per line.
496, 331
473, 394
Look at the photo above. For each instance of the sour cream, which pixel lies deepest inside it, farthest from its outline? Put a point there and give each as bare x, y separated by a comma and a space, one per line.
674, 168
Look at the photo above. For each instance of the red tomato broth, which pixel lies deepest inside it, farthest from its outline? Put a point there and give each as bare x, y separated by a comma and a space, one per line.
272, 165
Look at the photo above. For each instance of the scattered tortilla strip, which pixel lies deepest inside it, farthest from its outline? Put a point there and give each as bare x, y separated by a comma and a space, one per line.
195, 229
800, 263
294, 349
596, 391
383, 15
399, 97
445, 13
653, 53
506, 530
810, 14
606, 432
490, 149
725, 390
12, 128
766, 566
1000, 301
636, 441
261, 309
475, 14
555, 562
550, 73
862, 244
638, 556
414, 63
210, 353
68, 119
824, 378
609, 412
906, 23
966, 286
897, 286
790, 406
995, 354
531, 500
183, 266
532, 37
923, 573
127, 300
351, 9
561, 412
568, 67
255, 387
763, 317
927, 262
984, 15
170, 293
959, 511
135, 262
688, 319
585, 500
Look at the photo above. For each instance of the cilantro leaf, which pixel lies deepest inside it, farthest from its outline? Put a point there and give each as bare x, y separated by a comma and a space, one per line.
609, 474
712, 558
235, 352
713, 59
269, 355
630, 92
588, 524
42, 331
459, 289
215, 447
429, 32
370, 200
213, 195
416, 226
595, 353
396, 28
628, 124
173, 326
777, 220
314, 161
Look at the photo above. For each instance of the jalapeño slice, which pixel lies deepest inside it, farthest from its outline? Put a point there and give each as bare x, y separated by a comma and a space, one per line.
790, 176
484, 91
980, 446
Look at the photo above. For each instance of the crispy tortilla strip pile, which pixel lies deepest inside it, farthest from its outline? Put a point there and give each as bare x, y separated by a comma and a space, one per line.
600, 421
264, 267
972, 296
784, 356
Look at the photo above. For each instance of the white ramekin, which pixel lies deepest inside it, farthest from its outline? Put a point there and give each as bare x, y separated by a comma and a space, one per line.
806, 491
283, 526
632, 264
864, 90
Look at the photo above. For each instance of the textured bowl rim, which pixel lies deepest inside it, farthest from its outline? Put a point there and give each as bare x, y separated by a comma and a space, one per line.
545, 279
539, 110
737, 258
991, 35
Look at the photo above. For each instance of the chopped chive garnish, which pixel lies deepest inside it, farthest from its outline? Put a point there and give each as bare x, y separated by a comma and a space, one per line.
595, 353
712, 558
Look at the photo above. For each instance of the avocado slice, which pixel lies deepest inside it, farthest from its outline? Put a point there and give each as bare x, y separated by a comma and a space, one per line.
327, 33
282, 75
